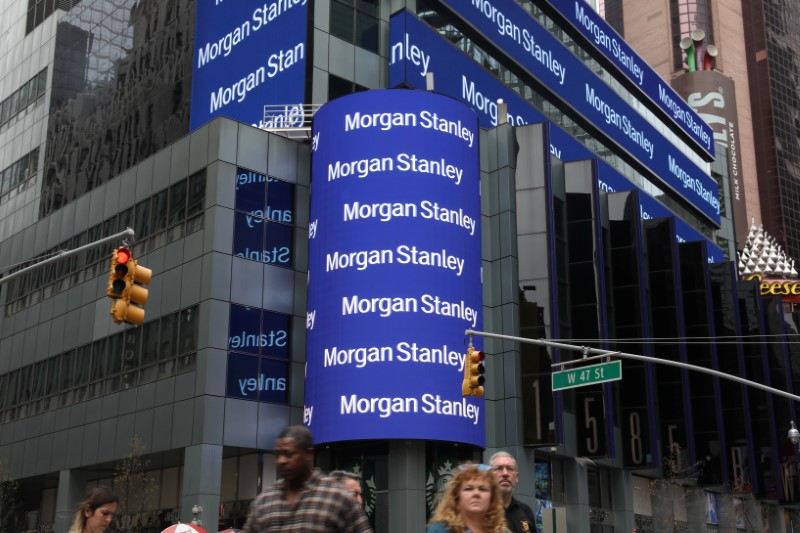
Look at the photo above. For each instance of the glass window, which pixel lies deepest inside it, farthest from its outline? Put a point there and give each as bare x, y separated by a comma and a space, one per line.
125, 220
67, 380
82, 364
366, 31
278, 248
244, 329
130, 354
11, 389
3, 380
196, 194
142, 219
150, 342
280, 201
272, 381
33, 164
250, 192
5, 110
275, 328
41, 85
189, 330
342, 23
99, 360
248, 236
169, 337
39, 379
158, 211
53, 375
24, 384
177, 203
243, 378
14, 104
115, 354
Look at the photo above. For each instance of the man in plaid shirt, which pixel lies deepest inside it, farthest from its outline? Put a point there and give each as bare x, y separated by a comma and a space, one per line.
303, 500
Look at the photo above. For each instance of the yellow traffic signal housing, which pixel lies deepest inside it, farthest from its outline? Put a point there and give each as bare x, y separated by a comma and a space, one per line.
118, 277
473, 373
127, 287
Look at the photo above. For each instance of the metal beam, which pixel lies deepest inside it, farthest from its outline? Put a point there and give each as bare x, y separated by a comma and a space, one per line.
66, 253
599, 353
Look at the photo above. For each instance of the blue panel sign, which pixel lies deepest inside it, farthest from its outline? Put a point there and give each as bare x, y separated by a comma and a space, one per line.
394, 276
416, 50
533, 48
605, 39
249, 53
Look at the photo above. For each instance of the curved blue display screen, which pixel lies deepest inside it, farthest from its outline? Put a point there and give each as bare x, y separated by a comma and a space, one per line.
394, 274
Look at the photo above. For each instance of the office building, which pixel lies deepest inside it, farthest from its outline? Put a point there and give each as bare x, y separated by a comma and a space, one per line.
602, 221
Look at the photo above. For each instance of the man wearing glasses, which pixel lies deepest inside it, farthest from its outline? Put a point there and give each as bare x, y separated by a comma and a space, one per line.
519, 516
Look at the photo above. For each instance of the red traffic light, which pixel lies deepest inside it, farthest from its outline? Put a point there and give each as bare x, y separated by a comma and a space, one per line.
123, 254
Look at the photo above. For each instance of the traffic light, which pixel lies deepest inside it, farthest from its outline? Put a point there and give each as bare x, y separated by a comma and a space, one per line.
473, 373
126, 286
117, 283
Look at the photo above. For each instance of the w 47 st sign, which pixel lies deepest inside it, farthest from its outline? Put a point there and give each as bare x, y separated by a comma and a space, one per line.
587, 375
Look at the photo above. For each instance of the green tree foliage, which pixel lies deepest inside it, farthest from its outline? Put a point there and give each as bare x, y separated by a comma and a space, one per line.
9, 501
136, 489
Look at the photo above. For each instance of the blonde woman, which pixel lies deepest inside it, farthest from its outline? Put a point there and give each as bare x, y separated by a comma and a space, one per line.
96, 511
471, 504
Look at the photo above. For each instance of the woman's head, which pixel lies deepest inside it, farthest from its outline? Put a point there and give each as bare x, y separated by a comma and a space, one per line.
96, 510
472, 492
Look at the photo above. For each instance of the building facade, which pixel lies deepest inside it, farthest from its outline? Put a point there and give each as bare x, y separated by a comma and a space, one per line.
603, 223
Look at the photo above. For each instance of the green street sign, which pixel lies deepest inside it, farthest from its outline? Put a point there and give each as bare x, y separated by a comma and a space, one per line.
587, 375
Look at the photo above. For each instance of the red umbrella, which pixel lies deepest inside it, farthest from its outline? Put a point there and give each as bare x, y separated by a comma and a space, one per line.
184, 528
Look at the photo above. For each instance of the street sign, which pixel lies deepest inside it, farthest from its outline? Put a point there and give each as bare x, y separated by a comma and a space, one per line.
587, 375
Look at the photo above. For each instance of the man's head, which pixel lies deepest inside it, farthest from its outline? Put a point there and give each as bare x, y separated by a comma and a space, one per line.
295, 449
504, 469
351, 483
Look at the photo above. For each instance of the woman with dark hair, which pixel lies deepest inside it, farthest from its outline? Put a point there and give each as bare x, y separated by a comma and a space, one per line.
96, 511
472, 503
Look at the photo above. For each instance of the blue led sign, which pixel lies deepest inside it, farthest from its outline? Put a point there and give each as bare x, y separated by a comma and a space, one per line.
248, 53
506, 24
604, 38
417, 50
394, 273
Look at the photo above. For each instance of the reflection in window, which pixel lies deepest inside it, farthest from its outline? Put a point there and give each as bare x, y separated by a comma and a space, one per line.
244, 329
250, 192
278, 248
275, 335
280, 201
260, 199
257, 378
248, 236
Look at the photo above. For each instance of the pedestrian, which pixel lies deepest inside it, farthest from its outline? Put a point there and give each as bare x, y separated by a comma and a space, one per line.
471, 503
519, 516
96, 511
303, 500
351, 482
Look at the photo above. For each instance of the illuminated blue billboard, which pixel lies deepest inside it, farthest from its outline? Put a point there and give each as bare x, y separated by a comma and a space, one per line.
416, 50
249, 53
599, 34
394, 268
558, 72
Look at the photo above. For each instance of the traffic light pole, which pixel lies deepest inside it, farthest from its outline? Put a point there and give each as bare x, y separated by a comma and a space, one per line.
608, 353
66, 253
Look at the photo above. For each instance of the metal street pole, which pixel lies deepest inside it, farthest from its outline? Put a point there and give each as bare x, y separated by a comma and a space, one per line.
66, 253
608, 353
